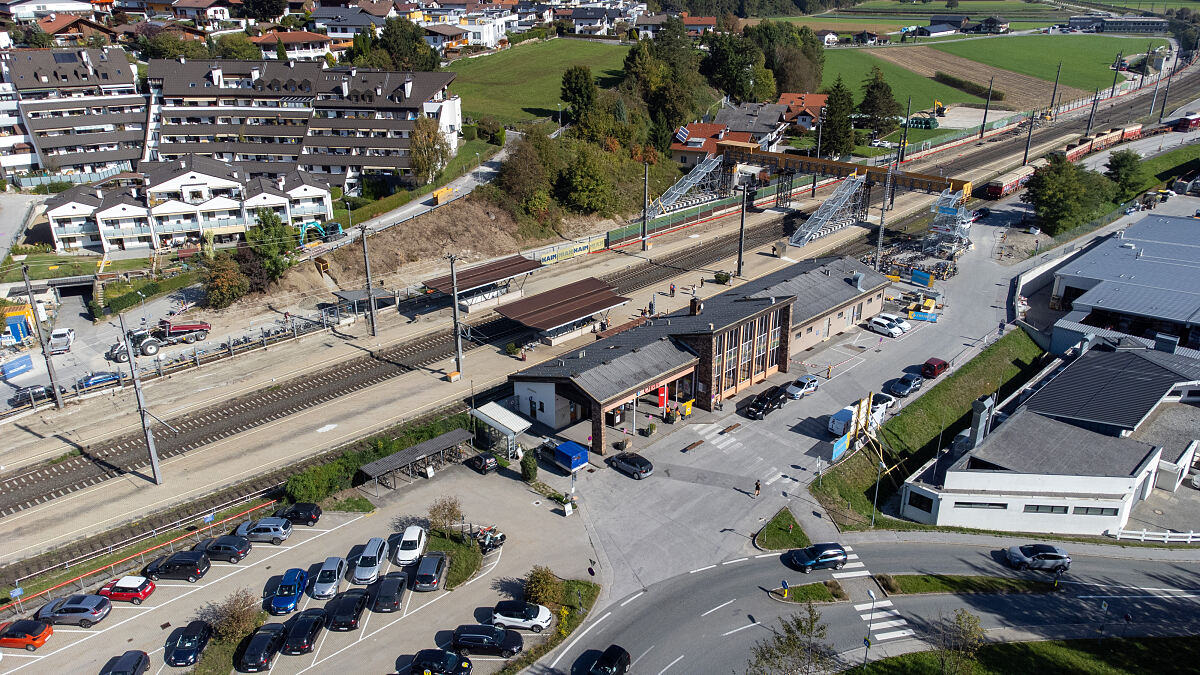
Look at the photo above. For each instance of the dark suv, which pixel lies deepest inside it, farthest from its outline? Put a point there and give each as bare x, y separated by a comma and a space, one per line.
304, 513
764, 403
189, 565
33, 394
818, 556
476, 638
228, 547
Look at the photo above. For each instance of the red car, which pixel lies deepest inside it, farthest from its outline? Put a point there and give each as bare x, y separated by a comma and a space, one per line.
128, 589
25, 634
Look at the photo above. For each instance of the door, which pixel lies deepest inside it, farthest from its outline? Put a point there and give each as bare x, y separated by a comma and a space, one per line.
828, 325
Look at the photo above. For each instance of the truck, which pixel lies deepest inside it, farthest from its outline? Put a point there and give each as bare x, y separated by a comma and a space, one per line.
839, 422
147, 342
61, 340
568, 455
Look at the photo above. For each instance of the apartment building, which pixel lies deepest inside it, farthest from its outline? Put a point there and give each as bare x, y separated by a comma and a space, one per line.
301, 45
16, 146
267, 117
80, 106
179, 202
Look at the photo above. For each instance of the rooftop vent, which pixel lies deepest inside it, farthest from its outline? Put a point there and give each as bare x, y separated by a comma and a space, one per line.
857, 278
696, 306
582, 353
1128, 244
1166, 343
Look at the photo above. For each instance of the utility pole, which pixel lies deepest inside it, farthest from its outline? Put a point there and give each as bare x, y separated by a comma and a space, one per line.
645, 203
1154, 99
1146, 66
1028, 141
742, 230
58, 402
458, 360
370, 288
1092, 115
986, 106
1167, 92
887, 186
904, 138
141, 404
1054, 94
1116, 74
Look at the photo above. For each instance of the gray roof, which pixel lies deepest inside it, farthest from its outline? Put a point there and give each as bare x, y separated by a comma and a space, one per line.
819, 285
1113, 387
69, 68
756, 118
345, 16
160, 172
651, 19
1067, 323
939, 28
1032, 444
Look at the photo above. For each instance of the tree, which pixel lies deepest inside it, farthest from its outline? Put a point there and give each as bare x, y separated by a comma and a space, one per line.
795, 71
264, 10
585, 187
730, 63
445, 512
1125, 169
956, 641
837, 133
529, 467
429, 149
280, 50
97, 41
951, 4
237, 46
579, 90
642, 69
36, 37
674, 47
878, 104
165, 45
224, 283
763, 83
273, 241
542, 586
235, 617
1064, 195
524, 178
405, 42
797, 647
671, 105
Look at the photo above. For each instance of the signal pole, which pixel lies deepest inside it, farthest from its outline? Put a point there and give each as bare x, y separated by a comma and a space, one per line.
1028, 141
1092, 115
1054, 94
58, 402
645, 205
986, 106
458, 358
370, 290
742, 230
1116, 74
141, 404
1167, 92
904, 138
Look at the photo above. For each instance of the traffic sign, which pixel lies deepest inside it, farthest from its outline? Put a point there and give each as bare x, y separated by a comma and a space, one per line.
16, 592
1104, 605
209, 518
866, 642
785, 584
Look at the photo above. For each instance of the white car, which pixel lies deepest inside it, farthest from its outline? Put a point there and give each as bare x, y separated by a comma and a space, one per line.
61, 340
411, 546
882, 327
804, 385
896, 320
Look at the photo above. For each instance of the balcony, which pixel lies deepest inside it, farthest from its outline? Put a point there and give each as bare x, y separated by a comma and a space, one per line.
62, 230
118, 232
177, 227
310, 210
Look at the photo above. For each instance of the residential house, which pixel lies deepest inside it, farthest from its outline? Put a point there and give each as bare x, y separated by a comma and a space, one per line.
27, 11
206, 14
698, 25
936, 30
534, 13
103, 7
828, 37
959, 21
128, 33
301, 45
16, 145
803, 110
72, 29
765, 122
648, 25
489, 29
594, 20
865, 37
994, 24
443, 36
697, 141
380, 9
341, 24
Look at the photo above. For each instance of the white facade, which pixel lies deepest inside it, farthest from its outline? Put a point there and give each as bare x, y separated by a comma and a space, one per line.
487, 30
36, 9
12, 134
537, 401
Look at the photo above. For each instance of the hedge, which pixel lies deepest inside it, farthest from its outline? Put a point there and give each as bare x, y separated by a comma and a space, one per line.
123, 302
533, 33
967, 85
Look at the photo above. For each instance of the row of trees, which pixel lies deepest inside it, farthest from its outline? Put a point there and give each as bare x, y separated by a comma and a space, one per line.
253, 267
877, 111
1064, 195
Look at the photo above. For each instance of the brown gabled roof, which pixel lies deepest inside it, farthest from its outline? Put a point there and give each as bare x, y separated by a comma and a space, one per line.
445, 29
289, 38
376, 7
54, 24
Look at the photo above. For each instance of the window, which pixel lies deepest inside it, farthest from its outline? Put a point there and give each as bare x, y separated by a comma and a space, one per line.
1044, 508
841, 314
920, 501
979, 505
808, 330
541, 406
747, 350
1094, 511
731, 343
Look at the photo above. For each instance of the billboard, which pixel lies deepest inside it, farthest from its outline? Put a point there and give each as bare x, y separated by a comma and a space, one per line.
18, 366
840, 446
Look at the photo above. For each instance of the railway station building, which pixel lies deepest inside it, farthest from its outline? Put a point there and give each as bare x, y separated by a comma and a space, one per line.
713, 350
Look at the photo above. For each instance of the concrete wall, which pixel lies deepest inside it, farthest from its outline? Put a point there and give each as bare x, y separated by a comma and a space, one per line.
816, 330
548, 407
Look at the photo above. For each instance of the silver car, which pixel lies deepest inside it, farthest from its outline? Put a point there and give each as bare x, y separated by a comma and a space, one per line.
804, 385
370, 562
329, 578
81, 610
1039, 557
274, 530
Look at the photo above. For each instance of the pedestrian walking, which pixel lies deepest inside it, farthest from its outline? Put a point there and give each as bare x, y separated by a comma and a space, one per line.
701, 282
757, 488
287, 316
672, 290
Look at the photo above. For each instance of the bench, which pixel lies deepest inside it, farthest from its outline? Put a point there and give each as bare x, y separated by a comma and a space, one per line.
693, 446
730, 428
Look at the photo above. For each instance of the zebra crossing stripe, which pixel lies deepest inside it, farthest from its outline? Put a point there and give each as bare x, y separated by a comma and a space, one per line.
893, 634
879, 615
867, 605
880, 625
851, 575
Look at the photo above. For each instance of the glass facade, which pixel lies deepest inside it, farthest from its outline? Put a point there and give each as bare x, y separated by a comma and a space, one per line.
746, 352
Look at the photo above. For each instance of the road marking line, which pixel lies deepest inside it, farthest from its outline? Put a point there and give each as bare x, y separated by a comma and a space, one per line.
694, 571
1148, 595
724, 442
768, 555
752, 625
635, 661
894, 634
677, 660
737, 560
777, 477
854, 565
634, 597
851, 575
848, 549
879, 615
578, 638
867, 605
879, 625
852, 556
72, 630
717, 607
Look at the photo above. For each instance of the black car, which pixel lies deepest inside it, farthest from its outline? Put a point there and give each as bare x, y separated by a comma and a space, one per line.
189, 565
479, 638
228, 547
345, 610
818, 556
303, 513
132, 662
484, 463
910, 383
185, 648
306, 628
260, 652
614, 661
33, 394
632, 464
764, 403
440, 662
389, 592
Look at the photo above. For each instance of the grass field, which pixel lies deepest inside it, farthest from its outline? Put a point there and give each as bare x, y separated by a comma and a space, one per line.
854, 66
524, 82
782, 532
821, 591
1085, 58
50, 265
968, 7
1111, 656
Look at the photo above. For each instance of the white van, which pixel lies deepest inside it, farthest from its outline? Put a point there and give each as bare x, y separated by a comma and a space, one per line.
839, 422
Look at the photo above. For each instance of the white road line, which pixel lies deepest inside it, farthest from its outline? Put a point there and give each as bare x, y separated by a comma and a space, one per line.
894, 634
848, 549
867, 605
701, 569
72, 630
851, 575
579, 637
854, 565
880, 625
777, 477
635, 661
677, 660
717, 607
724, 442
1148, 595
879, 615
852, 556
634, 597
768, 555
736, 560
751, 625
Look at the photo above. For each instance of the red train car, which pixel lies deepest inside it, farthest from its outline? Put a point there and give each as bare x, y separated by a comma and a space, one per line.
1131, 132
1188, 122
1008, 183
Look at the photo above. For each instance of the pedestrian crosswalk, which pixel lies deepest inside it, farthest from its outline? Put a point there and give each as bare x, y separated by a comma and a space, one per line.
711, 433
883, 621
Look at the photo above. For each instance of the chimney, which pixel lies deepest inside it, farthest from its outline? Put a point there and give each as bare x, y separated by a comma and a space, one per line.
408, 81
582, 353
696, 307
254, 74
772, 299
981, 420
353, 72
345, 88
1166, 343
99, 194
291, 63
182, 60
279, 182
378, 90
858, 277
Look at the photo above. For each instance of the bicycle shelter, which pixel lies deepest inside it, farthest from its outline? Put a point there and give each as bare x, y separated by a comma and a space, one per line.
420, 458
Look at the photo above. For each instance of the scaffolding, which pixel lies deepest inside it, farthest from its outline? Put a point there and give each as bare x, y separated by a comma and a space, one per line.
950, 232
701, 176
846, 206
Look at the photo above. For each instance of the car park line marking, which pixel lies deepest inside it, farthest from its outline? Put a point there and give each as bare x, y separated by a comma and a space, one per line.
1139, 588
751, 625
164, 585
677, 659
736, 560
634, 597
854, 565
579, 637
893, 634
161, 668
499, 552
18, 655
717, 607
850, 575
880, 625
868, 605
701, 569
635, 661
316, 652
879, 615
768, 555
71, 630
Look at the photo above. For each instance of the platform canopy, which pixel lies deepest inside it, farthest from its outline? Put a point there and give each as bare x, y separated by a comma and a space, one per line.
563, 305
357, 295
486, 274
496, 416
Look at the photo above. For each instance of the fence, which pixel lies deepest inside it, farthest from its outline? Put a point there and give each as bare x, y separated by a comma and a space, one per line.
1189, 537
34, 181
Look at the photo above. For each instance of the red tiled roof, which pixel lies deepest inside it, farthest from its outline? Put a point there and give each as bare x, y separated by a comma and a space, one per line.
803, 103
289, 38
711, 133
710, 21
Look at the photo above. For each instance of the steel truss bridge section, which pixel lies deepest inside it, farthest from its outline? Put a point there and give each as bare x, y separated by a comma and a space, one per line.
846, 206
701, 175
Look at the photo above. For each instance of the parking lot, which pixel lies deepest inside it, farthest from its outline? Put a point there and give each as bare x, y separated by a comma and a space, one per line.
537, 534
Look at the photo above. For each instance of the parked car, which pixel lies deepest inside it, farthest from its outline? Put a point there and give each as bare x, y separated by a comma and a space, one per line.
909, 383
632, 464
369, 563
440, 662
78, 610
329, 578
484, 463
306, 628
61, 340
839, 422
97, 380
274, 530
132, 662
33, 394
933, 367
260, 651
431, 571
771, 399
818, 556
25, 634
613, 661
1039, 557
132, 589
411, 546
520, 614
302, 513
227, 547
476, 638
289, 592
803, 386
896, 320
346, 609
189, 565
389, 592
881, 401
882, 327
185, 648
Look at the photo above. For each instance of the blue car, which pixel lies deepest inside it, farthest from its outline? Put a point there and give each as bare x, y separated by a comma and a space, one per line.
289, 592
96, 380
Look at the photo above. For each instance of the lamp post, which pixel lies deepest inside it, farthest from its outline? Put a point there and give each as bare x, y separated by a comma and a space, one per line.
870, 625
559, 114
875, 504
143, 301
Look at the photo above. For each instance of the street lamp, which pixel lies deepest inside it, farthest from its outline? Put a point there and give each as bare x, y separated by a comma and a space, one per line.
477, 166
143, 306
870, 625
875, 504
559, 114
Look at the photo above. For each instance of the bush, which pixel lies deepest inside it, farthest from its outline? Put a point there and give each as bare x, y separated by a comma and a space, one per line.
235, 617
967, 85
529, 467
498, 137
469, 132
512, 349
445, 512
123, 302
722, 277
543, 587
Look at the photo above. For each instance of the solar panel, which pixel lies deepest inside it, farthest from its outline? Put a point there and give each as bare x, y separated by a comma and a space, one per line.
65, 57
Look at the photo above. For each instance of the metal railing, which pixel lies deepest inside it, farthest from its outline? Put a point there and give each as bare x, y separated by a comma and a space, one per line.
1189, 537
